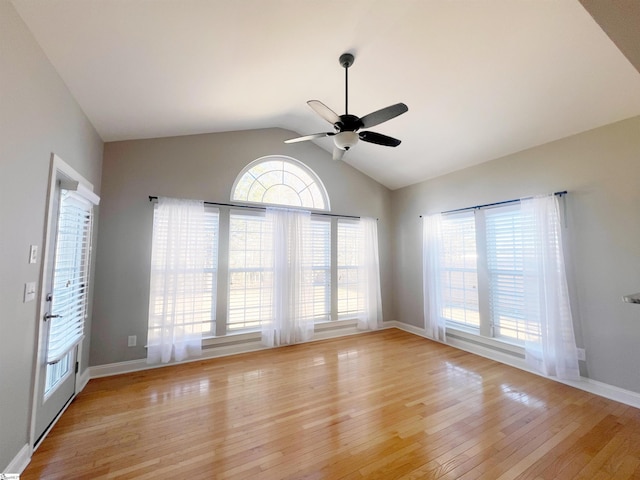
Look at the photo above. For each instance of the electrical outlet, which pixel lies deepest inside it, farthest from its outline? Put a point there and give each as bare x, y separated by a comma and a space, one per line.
29, 291
582, 354
132, 341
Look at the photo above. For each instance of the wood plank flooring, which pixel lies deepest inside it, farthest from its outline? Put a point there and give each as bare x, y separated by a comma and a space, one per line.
381, 405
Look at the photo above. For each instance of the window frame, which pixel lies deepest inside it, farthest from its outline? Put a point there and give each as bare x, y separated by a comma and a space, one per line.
326, 266
488, 330
261, 269
212, 215
451, 268
297, 164
325, 303
350, 268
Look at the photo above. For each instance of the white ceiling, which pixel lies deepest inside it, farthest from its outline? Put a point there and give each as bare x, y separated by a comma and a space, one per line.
482, 79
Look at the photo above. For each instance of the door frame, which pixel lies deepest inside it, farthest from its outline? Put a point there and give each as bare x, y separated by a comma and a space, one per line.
59, 170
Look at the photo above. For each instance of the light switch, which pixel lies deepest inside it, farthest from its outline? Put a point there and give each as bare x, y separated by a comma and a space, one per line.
33, 254
29, 291
132, 341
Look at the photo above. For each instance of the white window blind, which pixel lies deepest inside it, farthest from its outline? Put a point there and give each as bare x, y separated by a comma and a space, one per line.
350, 294
55, 372
459, 272
250, 272
321, 269
201, 305
507, 235
71, 275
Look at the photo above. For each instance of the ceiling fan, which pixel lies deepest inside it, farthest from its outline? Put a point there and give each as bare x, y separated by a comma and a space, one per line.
346, 126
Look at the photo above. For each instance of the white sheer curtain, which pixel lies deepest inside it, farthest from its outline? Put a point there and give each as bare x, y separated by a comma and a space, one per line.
369, 275
554, 351
177, 280
434, 323
292, 319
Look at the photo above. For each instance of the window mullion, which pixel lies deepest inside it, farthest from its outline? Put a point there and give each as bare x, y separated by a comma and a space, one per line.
223, 274
484, 304
334, 269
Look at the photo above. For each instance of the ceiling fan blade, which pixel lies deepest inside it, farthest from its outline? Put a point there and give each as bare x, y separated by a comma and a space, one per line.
338, 153
382, 115
379, 139
324, 111
310, 137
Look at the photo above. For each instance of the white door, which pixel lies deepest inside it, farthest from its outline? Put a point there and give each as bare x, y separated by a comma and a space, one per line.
65, 285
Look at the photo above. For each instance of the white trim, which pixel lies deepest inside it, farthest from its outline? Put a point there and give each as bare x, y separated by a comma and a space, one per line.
223, 347
58, 168
20, 461
293, 161
628, 397
82, 380
405, 327
83, 190
118, 368
612, 392
491, 343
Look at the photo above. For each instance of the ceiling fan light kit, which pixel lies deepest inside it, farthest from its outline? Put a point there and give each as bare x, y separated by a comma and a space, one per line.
345, 140
346, 126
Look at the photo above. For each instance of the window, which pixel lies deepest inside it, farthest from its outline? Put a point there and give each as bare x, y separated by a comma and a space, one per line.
328, 250
482, 264
460, 271
503, 265
321, 267
506, 234
350, 295
250, 271
202, 304
278, 180
70, 282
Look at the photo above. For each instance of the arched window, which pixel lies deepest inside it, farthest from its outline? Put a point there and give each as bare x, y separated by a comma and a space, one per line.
279, 180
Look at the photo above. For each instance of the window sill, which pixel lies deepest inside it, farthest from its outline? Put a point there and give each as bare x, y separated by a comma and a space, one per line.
491, 343
255, 336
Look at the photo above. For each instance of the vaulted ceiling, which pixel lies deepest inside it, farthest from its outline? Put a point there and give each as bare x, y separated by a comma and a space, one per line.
482, 79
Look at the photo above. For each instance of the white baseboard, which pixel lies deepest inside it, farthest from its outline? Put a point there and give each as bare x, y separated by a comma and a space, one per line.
628, 397
82, 381
405, 327
605, 390
141, 364
20, 461
233, 347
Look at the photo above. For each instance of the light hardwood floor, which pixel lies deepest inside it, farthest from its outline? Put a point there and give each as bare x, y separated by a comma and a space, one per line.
387, 405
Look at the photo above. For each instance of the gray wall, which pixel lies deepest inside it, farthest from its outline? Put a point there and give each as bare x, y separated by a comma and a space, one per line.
37, 116
202, 167
601, 170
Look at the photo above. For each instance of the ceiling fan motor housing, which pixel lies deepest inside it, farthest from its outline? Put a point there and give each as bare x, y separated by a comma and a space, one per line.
348, 123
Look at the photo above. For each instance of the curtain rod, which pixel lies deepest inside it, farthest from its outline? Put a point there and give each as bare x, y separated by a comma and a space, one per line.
256, 207
559, 194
